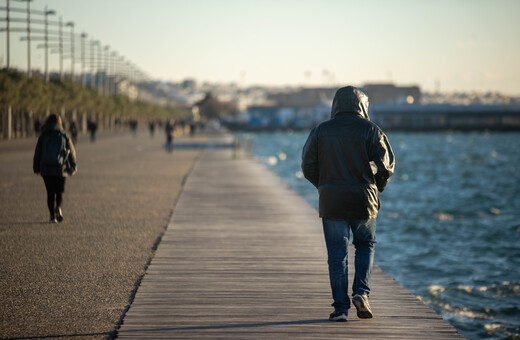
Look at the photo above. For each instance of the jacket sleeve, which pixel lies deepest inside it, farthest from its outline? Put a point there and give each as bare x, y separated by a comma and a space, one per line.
310, 166
37, 156
382, 155
72, 154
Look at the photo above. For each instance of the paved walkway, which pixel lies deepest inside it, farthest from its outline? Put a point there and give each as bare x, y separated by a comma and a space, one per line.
244, 257
75, 279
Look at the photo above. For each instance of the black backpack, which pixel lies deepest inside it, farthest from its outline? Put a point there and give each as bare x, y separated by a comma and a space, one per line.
54, 149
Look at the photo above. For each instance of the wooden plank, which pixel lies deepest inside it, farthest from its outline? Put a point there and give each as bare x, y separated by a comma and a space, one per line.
244, 257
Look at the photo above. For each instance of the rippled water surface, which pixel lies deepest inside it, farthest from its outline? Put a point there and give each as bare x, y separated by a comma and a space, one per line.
449, 225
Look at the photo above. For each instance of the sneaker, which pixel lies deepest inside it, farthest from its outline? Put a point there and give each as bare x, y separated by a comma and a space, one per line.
59, 215
362, 306
338, 316
53, 220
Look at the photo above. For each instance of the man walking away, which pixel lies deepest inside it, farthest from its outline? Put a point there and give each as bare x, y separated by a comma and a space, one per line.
348, 159
55, 159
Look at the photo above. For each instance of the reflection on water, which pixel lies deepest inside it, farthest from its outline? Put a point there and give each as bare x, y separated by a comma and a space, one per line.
453, 211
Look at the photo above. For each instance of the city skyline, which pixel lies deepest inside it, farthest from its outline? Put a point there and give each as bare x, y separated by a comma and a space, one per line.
443, 45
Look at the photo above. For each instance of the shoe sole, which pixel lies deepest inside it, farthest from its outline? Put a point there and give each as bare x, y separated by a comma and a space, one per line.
363, 312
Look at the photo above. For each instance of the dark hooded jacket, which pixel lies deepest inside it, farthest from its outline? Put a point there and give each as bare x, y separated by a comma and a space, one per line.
57, 170
336, 159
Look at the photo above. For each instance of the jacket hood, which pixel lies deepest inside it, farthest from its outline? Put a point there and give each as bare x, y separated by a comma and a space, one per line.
51, 127
350, 100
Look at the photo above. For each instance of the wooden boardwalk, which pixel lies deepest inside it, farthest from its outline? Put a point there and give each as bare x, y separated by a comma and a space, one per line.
244, 257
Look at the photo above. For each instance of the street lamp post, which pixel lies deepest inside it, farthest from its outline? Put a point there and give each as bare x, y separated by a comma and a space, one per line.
29, 72
92, 43
61, 47
71, 25
94, 64
114, 71
28, 30
46, 40
7, 30
119, 71
99, 64
83, 75
106, 89
105, 67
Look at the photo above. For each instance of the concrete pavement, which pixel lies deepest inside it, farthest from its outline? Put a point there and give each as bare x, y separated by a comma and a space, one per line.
75, 279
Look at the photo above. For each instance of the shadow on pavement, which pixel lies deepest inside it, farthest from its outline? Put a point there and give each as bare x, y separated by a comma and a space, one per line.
25, 223
265, 324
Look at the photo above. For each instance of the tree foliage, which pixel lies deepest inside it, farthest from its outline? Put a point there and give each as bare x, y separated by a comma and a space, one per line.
35, 94
212, 108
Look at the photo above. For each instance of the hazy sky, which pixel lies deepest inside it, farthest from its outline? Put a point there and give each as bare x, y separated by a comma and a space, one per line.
456, 45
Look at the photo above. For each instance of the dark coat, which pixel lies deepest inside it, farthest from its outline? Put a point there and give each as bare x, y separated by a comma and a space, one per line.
46, 170
336, 159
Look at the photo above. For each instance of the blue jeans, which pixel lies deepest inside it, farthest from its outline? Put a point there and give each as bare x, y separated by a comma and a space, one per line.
337, 233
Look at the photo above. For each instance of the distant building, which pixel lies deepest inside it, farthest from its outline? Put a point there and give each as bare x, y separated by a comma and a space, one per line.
446, 117
392, 95
389, 117
278, 117
126, 88
303, 97
189, 84
269, 116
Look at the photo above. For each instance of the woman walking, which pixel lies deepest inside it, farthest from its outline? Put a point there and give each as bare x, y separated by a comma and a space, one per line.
54, 159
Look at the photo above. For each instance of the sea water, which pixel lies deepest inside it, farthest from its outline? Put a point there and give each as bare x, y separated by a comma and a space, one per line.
449, 225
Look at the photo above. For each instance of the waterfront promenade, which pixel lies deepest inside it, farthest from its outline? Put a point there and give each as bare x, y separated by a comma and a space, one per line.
243, 256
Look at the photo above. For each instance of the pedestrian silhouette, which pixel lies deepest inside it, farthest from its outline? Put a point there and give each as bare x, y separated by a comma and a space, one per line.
337, 159
54, 159
92, 128
170, 129
73, 129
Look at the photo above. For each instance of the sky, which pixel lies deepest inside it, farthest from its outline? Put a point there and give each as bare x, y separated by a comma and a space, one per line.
446, 45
